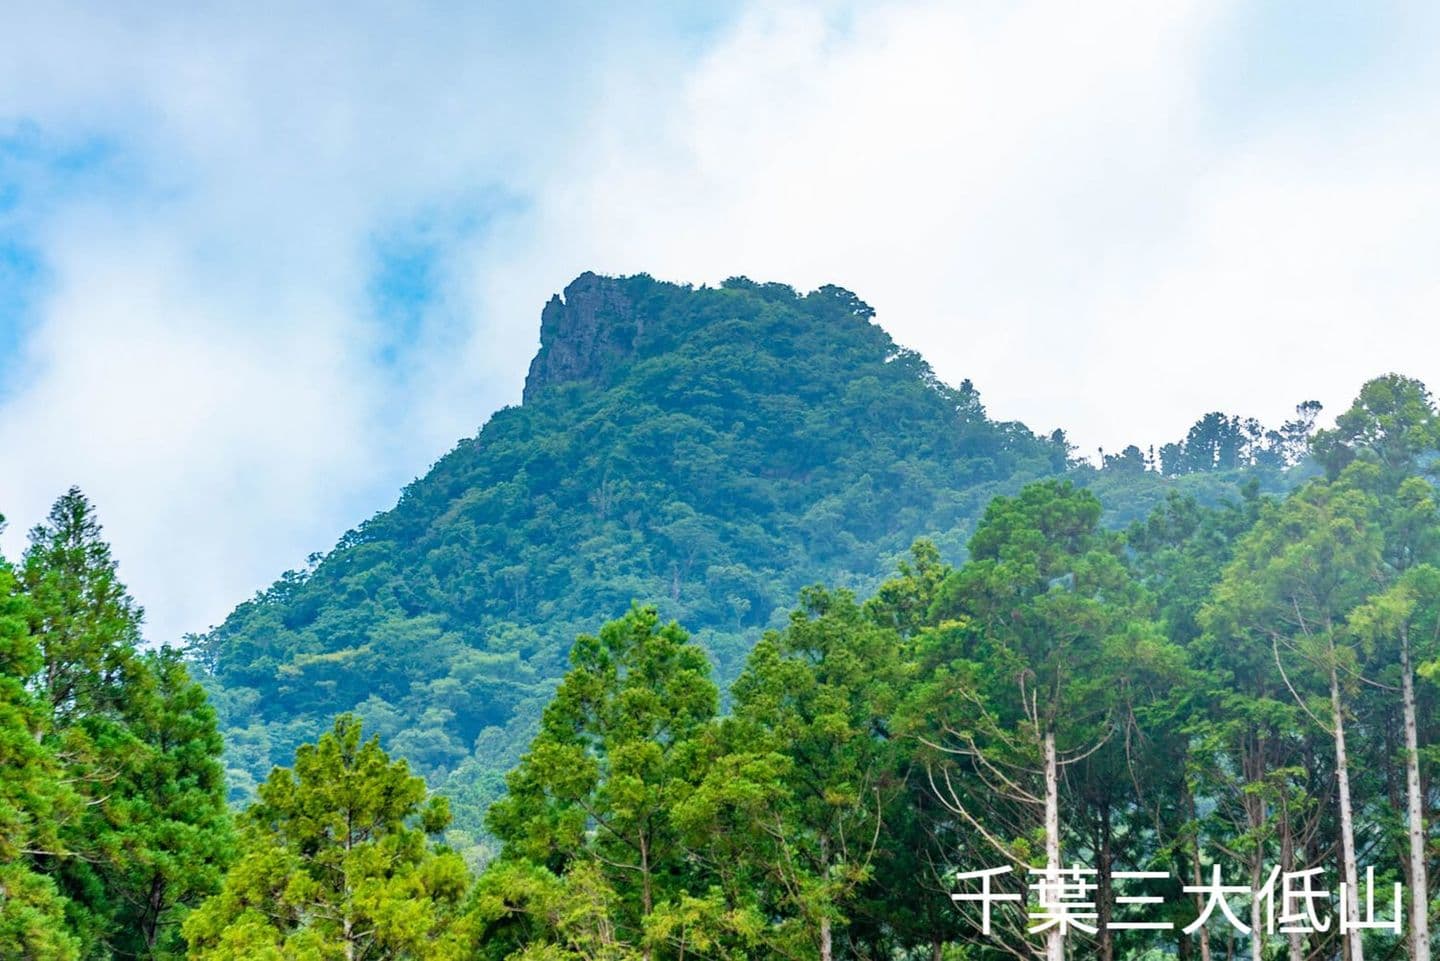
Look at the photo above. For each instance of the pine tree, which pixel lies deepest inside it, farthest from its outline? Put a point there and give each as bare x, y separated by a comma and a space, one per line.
336, 861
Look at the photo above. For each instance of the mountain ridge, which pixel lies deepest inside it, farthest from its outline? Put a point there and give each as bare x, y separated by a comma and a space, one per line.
711, 450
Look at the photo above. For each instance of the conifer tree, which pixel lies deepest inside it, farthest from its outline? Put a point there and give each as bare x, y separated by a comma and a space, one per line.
336, 861
616, 750
133, 737
1039, 640
173, 833
1308, 563
819, 694
87, 624
33, 799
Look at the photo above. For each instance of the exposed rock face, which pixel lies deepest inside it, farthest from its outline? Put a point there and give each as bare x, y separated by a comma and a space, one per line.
584, 335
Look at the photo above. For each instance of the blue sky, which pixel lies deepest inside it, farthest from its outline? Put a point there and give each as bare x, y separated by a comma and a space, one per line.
260, 267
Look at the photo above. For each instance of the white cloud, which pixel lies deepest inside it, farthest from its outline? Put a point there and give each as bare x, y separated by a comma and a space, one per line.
1038, 196
980, 176
205, 360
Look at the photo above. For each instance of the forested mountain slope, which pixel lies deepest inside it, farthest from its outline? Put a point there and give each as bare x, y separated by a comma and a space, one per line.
711, 451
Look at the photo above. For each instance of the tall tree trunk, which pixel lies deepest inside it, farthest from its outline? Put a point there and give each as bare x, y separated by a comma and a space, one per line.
1255, 758
1055, 937
1257, 916
1104, 893
155, 905
1355, 951
1203, 934
1287, 863
1415, 801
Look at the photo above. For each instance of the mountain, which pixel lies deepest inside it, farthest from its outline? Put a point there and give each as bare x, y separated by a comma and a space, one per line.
708, 450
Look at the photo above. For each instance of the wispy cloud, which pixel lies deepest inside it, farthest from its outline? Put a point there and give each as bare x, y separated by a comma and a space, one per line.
234, 246
262, 265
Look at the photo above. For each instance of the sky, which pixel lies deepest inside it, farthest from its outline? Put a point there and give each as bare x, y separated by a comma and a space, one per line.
262, 264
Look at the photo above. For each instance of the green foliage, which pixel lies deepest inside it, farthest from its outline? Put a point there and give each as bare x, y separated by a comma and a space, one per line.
1146, 666
1053, 606
819, 695
172, 836
335, 862
1220, 442
87, 624
113, 821
709, 451
616, 751
1392, 424
33, 798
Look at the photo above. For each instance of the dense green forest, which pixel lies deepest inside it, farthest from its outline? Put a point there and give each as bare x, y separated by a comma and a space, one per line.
709, 451
743, 637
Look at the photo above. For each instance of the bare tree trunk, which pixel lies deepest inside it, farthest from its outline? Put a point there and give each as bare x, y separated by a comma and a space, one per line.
1419, 882
1287, 863
1105, 887
1355, 951
1204, 934
1255, 816
1257, 917
1055, 937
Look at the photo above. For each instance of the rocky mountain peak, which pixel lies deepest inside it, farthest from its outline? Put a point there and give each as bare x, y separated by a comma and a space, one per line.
585, 333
